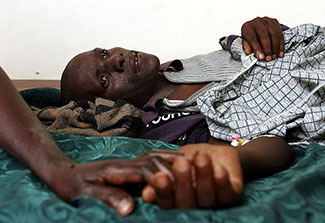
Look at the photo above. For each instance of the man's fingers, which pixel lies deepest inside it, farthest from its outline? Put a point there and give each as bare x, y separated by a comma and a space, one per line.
281, 47
265, 41
273, 35
281, 39
164, 190
184, 191
161, 191
225, 192
229, 171
251, 37
256, 47
205, 187
247, 48
118, 199
277, 36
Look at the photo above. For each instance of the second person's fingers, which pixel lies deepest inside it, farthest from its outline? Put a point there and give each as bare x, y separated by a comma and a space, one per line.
166, 155
118, 199
148, 194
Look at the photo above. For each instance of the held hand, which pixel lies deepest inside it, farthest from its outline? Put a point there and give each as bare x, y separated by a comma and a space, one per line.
264, 37
101, 179
210, 177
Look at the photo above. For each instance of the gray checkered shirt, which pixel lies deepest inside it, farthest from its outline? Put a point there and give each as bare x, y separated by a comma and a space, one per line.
284, 97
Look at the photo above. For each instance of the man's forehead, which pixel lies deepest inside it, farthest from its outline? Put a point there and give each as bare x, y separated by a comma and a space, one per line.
87, 58
82, 71
84, 83
84, 64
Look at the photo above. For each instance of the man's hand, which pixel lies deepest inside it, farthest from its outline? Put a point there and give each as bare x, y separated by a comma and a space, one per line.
101, 179
264, 37
209, 177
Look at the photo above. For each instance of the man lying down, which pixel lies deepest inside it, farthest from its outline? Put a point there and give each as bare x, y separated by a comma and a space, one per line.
216, 98
233, 112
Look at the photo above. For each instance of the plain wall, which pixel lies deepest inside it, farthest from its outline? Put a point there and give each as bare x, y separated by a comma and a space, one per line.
39, 37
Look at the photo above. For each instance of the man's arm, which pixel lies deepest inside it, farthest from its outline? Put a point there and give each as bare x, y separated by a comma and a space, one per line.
219, 169
264, 156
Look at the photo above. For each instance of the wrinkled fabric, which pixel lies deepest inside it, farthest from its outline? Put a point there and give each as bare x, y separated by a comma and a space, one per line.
188, 127
247, 97
273, 97
100, 118
294, 195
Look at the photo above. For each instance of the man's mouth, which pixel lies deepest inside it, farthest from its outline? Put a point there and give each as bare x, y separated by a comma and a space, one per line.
134, 62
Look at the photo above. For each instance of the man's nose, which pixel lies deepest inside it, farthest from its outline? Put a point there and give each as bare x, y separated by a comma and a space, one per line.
116, 62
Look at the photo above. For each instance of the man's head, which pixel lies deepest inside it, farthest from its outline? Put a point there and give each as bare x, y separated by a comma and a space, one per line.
113, 74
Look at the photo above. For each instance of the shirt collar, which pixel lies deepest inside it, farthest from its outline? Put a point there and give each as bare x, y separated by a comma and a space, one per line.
174, 65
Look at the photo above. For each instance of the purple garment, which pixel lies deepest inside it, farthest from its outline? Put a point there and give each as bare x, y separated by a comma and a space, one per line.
173, 127
174, 65
150, 112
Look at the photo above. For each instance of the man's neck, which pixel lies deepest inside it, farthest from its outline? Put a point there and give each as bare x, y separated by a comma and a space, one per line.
173, 91
164, 88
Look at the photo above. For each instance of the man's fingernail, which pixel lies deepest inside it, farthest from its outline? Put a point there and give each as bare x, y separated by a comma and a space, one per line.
161, 180
281, 54
273, 56
201, 160
181, 165
220, 175
268, 58
260, 56
125, 207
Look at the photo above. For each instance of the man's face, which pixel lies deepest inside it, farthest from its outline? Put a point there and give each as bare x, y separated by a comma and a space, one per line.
114, 74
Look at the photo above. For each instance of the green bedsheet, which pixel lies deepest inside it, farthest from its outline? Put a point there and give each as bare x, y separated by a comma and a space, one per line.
294, 195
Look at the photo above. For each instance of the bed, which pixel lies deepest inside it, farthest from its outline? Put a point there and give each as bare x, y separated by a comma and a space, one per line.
294, 195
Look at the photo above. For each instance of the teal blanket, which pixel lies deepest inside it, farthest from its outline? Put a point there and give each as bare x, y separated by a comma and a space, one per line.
294, 195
